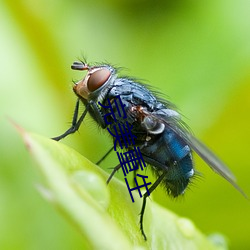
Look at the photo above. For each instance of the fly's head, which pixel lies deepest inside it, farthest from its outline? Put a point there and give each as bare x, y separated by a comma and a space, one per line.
96, 79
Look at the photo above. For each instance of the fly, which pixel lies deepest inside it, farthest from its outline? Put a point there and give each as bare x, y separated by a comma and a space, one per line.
163, 139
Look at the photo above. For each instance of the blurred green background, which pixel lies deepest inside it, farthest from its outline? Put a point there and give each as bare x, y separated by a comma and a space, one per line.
196, 52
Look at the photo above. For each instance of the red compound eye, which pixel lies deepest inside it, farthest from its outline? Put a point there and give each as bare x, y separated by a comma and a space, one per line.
97, 79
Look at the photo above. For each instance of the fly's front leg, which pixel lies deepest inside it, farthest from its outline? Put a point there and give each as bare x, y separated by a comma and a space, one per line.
97, 114
75, 123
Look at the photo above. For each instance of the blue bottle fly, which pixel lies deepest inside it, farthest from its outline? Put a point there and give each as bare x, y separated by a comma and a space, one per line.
163, 139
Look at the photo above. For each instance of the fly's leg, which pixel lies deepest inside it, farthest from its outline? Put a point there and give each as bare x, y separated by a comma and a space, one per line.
115, 169
113, 172
150, 190
134, 173
98, 114
104, 156
75, 124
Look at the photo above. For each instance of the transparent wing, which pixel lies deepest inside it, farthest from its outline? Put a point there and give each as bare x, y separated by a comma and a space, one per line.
175, 124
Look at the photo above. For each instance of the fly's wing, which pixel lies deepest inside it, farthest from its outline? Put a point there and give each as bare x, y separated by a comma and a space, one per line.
175, 124
212, 160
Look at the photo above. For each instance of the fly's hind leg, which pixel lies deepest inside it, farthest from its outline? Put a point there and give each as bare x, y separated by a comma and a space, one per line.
151, 189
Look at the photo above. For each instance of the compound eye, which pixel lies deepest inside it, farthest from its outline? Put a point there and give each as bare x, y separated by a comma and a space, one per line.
97, 79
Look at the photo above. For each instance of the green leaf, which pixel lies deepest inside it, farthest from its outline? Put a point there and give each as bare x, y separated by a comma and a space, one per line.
105, 215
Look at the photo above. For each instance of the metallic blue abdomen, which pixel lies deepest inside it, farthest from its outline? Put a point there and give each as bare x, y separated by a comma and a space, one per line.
169, 153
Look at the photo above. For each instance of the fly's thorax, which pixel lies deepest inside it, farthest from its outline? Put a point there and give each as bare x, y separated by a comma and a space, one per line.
95, 84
